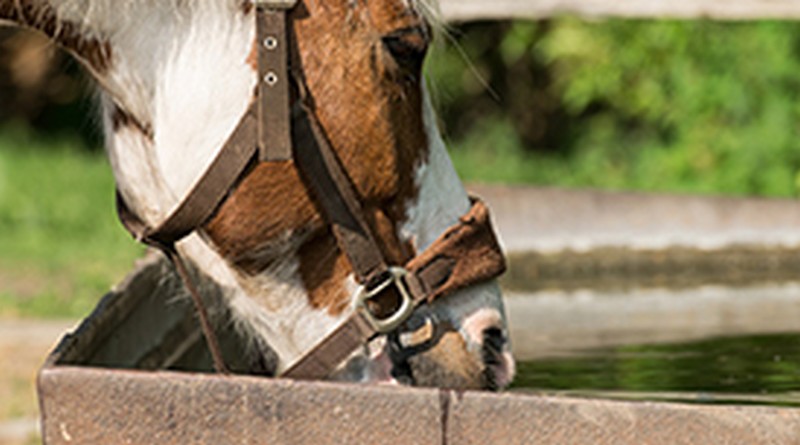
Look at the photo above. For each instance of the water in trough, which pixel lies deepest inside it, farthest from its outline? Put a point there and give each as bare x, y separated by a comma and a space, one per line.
763, 369
711, 339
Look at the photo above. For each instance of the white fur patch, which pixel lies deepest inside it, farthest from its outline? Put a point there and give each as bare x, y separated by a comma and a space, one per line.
202, 90
442, 199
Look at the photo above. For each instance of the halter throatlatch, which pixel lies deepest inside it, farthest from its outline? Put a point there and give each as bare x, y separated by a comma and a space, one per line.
466, 254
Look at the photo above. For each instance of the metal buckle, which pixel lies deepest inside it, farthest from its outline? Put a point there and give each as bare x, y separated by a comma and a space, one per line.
276, 4
394, 278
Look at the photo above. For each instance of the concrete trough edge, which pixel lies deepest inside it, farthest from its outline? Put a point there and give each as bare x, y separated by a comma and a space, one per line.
544, 219
97, 406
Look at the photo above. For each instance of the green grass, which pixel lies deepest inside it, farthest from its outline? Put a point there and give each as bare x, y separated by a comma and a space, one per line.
61, 247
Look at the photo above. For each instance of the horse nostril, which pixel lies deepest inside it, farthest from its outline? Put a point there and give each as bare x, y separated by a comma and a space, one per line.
492, 356
493, 344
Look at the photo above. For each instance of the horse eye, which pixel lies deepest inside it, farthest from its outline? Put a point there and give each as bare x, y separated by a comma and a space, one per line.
408, 47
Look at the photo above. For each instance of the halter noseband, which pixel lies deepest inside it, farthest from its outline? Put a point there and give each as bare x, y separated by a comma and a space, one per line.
466, 254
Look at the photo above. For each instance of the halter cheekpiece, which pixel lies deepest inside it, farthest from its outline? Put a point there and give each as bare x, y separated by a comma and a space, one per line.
272, 130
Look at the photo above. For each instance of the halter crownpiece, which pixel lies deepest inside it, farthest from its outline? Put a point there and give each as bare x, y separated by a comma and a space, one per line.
274, 133
466, 254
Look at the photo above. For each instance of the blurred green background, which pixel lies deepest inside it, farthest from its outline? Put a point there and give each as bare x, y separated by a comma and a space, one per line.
673, 106
669, 106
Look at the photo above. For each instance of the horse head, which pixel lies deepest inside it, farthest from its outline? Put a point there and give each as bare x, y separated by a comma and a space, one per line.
176, 79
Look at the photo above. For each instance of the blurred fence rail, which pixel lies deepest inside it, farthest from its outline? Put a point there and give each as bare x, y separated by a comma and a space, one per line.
468, 10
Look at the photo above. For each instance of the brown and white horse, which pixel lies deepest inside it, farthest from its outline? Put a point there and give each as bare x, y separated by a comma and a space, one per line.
176, 77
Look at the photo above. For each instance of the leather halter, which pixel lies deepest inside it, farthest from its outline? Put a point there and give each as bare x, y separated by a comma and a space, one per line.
466, 254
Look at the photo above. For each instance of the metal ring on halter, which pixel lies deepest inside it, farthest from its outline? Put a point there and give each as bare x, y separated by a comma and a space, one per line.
392, 279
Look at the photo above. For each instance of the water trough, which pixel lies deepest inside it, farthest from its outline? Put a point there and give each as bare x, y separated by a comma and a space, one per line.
136, 370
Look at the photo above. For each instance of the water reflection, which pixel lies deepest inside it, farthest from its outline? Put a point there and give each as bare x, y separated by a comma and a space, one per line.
757, 369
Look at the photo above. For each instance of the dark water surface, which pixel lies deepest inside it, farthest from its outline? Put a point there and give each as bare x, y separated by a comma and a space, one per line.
762, 369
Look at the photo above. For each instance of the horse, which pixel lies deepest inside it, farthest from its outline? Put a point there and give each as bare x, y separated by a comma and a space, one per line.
175, 79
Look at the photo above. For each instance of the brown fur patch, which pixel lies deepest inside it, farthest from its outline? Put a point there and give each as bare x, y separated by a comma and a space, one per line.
268, 204
374, 122
95, 53
323, 268
246, 6
252, 58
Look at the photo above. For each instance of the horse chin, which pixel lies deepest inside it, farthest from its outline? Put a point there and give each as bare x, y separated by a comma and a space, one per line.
375, 369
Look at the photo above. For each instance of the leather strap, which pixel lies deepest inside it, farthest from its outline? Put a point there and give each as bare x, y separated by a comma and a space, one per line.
205, 322
137, 228
274, 133
210, 190
328, 354
335, 194
465, 254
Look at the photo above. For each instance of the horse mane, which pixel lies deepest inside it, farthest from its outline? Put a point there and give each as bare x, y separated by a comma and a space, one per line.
432, 12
